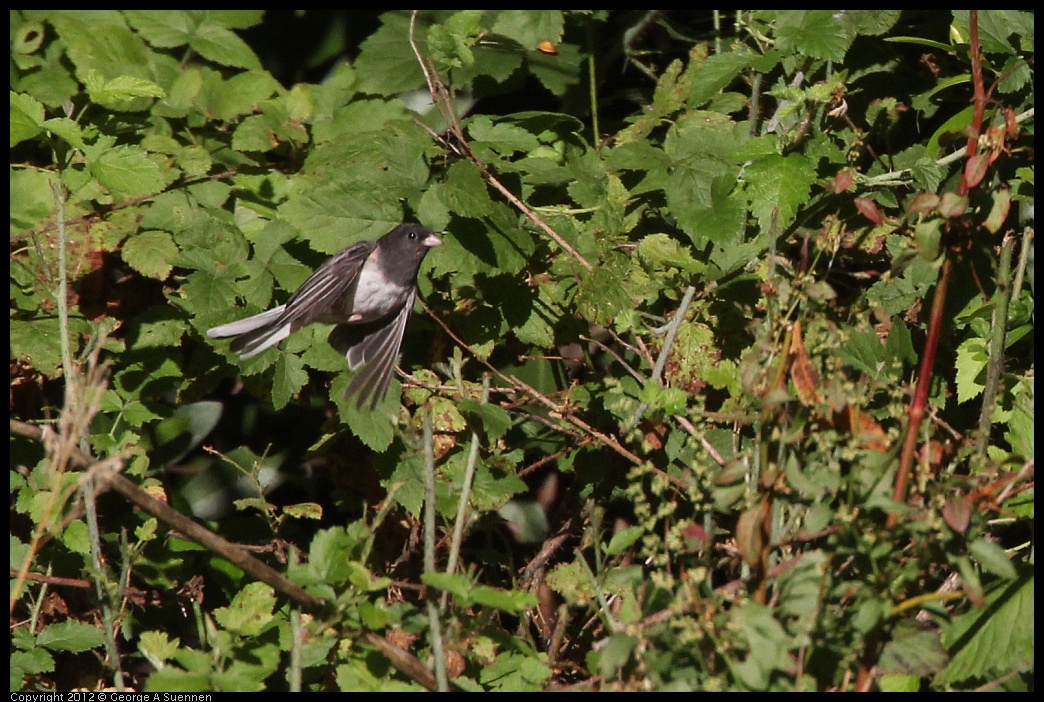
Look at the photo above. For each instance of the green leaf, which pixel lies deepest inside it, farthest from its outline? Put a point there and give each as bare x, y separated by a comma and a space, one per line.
448, 48
32, 662
993, 558
330, 554
993, 639
494, 419
615, 653
157, 647
121, 90
374, 428
709, 77
558, 72
816, 33
529, 27
899, 683
26, 116
386, 64
66, 129
913, 651
801, 594
250, 611
71, 636
171, 679
972, 356
504, 138
777, 187
768, 645
162, 28
151, 253
464, 191
289, 377
337, 213
516, 672
865, 352
37, 342
224, 47
458, 585
128, 170
624, 539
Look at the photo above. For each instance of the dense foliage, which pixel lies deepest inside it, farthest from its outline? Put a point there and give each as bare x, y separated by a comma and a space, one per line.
722, 380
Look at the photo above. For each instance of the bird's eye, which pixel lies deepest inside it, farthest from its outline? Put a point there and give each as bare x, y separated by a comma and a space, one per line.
413, 235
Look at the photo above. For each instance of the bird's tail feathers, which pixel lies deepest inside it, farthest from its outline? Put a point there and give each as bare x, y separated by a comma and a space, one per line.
255, 334
242, 326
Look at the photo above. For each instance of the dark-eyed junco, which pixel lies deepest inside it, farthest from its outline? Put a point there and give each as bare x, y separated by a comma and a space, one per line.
367, 290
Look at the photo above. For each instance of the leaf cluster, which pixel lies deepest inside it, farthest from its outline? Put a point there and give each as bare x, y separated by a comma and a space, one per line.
658, 425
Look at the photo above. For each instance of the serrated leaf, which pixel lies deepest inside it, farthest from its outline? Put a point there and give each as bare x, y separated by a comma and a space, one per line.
624, 539
515, 672
127, 170
121, 89
972, 357
864, 352
26, 117
816, 33
237, 96
992, 558
494, 419
289, 377
157, 647
994, 638
465, 192
709, 77
448, 48
777, 187
70, 635
37, 342
374, 428
162, 28
559, 71
335, 214
66, 129
386, 64
250, 611
913, 651
32, 662
151, 253
223, 46
458, 585
529, 27
615, 653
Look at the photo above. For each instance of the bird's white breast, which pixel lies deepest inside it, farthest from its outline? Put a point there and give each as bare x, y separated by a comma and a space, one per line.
375, 297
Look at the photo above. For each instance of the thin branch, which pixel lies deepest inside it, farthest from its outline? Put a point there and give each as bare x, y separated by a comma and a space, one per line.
175, 520
556, 410
434, 624
441, 99
131, 202
404, 661
661, 361
998, 336
465, 495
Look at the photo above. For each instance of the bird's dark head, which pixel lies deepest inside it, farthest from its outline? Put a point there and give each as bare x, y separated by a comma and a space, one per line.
410, 238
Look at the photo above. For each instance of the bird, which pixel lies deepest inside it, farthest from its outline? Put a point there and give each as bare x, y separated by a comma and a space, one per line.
367, 291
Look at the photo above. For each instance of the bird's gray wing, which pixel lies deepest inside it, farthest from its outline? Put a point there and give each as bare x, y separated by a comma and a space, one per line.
372, 350
321, 296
